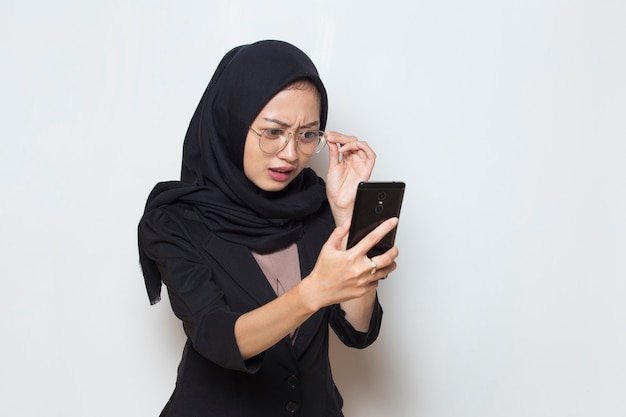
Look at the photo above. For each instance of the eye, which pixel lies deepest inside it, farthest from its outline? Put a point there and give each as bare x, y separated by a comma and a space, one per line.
273, 133
310, 136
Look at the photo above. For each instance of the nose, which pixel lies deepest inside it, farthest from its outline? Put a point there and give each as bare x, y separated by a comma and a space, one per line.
290, 151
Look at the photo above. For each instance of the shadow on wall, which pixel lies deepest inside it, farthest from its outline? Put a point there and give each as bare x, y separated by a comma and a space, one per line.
368, 380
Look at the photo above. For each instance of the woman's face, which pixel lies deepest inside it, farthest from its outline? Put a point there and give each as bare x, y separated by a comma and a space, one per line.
293, 110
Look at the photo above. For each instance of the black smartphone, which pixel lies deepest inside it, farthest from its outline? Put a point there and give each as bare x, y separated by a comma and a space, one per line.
375, 202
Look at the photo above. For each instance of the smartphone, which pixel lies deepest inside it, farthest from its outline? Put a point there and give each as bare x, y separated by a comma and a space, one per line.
375, 202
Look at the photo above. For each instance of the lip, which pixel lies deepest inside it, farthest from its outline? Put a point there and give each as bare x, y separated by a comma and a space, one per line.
281, 174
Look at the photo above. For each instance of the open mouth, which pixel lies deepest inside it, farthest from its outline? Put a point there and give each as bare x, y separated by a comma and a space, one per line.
280, 173
282, 170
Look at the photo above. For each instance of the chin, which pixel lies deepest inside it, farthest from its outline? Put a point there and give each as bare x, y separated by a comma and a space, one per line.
275, 187
271, 186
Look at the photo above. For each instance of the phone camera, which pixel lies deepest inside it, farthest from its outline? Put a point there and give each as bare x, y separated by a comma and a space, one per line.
382, 195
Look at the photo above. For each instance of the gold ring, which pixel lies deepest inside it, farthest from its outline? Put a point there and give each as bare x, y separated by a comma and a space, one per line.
373, 266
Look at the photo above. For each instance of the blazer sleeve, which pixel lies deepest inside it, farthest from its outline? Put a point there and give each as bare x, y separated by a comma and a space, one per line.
194, 296
351, 337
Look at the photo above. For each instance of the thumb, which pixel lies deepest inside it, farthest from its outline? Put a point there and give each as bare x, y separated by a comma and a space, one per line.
333, 154
338, 235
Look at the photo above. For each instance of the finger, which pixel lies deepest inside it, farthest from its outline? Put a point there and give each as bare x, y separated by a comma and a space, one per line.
377, 270
340, 139
376, 235
333, 155
373, 266
357, 146
384, 273
338, 235
335, 142
358, 151
383, 261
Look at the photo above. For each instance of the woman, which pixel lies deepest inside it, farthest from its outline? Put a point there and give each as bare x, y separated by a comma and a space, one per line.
247, 246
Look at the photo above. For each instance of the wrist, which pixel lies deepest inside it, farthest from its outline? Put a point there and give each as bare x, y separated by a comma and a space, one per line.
341, 214
307, 295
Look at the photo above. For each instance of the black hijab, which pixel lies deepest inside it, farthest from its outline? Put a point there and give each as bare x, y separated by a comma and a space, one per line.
212, 178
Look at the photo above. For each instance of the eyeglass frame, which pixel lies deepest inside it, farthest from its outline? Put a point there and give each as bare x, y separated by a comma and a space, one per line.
297, 138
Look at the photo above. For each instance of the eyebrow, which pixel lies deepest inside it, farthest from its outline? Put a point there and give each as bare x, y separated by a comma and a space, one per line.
285, 124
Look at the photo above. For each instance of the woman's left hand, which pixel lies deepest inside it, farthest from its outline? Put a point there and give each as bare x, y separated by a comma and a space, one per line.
351, 161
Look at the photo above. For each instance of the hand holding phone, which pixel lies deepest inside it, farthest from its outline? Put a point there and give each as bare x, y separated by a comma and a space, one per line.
375, 202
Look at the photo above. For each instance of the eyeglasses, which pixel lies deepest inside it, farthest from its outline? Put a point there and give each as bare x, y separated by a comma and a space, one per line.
272, 141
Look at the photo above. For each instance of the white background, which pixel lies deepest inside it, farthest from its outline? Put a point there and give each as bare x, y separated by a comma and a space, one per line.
506, 119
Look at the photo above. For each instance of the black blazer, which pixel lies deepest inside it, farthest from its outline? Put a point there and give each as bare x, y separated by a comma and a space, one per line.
210, 283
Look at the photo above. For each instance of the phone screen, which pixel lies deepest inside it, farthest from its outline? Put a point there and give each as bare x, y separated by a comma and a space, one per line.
375, 202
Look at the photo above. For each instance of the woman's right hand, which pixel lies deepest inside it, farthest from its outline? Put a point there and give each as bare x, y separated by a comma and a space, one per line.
341, 275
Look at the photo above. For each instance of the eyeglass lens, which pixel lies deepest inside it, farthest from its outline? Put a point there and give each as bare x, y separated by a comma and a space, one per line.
308, 142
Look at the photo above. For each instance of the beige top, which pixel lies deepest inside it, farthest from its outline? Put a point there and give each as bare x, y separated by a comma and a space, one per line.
282, 270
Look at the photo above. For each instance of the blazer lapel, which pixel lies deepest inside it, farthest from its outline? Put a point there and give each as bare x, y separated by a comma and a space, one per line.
233, 257
250, 278
308, 252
